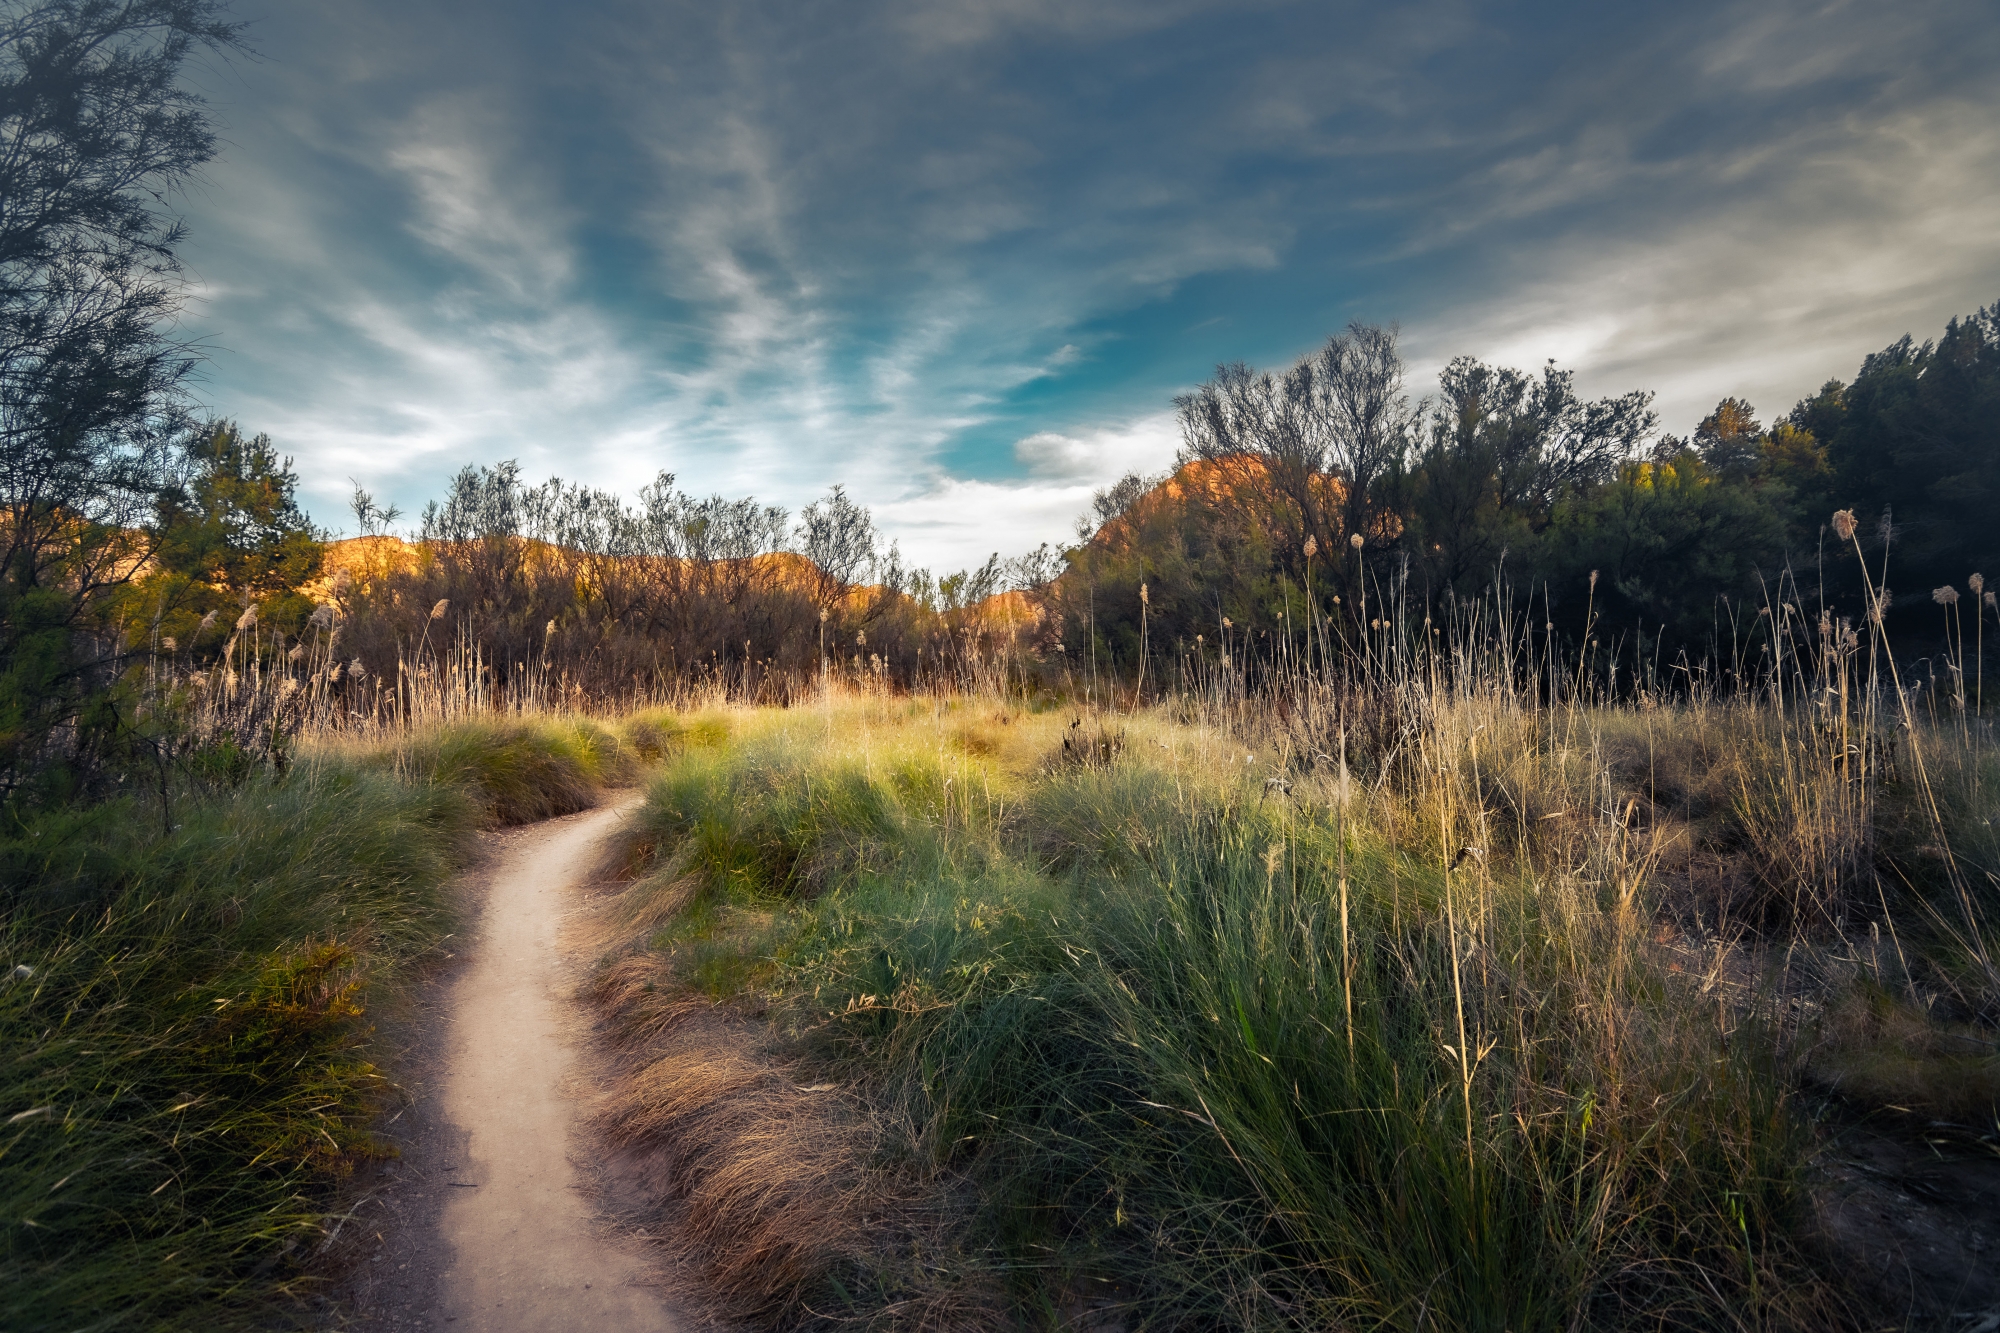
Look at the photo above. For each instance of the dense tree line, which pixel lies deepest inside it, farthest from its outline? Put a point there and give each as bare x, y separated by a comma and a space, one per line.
1325, 485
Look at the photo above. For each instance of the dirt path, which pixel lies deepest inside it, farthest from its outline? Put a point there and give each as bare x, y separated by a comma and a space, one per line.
485, 1224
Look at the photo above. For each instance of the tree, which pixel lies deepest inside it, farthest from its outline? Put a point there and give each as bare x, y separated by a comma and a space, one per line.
837, 538
232, 529
1505, 448
1667, 539
1916, 436
1110, 503
96, 134
370, 518
1315, 440
1730, 440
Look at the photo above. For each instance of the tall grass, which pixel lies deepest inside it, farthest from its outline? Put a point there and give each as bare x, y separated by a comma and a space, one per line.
186, 1012
1450, 1005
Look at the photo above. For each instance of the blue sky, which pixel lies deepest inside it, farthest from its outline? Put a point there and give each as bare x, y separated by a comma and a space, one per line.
960, 257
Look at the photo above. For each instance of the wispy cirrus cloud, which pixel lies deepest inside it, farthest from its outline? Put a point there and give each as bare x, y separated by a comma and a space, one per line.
960, 256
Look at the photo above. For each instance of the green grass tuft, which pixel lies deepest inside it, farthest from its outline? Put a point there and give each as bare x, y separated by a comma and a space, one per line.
188, 1067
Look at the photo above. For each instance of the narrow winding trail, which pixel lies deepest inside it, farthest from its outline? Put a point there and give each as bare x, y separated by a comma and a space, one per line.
489, 1225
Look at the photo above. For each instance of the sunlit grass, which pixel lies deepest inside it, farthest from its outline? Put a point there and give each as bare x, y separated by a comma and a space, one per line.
1490, 1033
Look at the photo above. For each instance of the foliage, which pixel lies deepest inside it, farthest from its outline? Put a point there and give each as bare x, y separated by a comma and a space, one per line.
231, 535
1665, 537
97, 133
189, 1066
1505, 449
1914, 438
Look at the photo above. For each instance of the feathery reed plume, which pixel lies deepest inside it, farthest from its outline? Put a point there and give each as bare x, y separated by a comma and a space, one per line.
1312, 547
1980, 599
1843, 524
170, 644
207, 623
443, 605
322, 616
248, 620
1355, 541
1945, 596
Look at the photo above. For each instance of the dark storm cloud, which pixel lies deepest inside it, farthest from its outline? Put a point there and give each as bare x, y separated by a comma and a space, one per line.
960, 256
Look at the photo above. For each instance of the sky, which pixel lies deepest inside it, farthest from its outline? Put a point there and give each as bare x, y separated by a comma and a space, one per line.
959, 258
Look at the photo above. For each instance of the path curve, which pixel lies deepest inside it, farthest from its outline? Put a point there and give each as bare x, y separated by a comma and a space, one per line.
494, 1230
525, 1254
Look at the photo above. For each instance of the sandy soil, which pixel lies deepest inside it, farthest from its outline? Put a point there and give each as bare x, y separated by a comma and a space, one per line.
486, 1223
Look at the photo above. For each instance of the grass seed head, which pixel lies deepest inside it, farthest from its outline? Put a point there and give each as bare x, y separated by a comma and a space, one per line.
1843, 524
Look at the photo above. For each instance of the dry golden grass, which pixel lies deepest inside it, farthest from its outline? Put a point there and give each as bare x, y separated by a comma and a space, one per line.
770, 1186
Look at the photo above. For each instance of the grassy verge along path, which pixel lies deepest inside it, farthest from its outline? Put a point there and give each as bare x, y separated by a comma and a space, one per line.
1485, 1017
188, 1064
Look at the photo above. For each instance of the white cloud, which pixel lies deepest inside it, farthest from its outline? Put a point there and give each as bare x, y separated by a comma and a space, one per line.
1101, 456
957, 523
1889, 227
